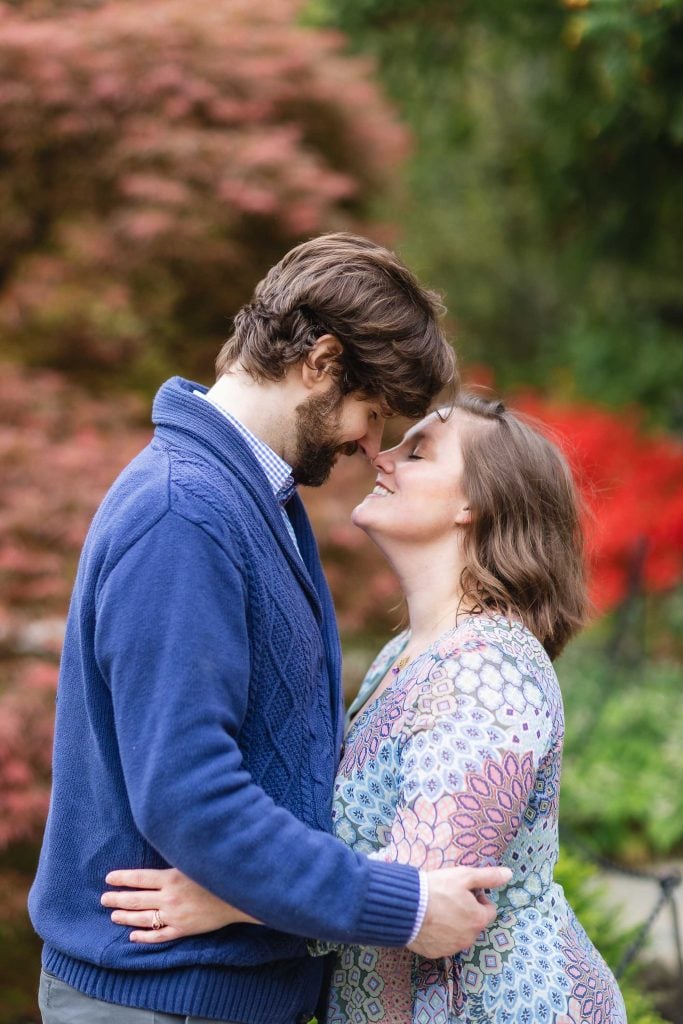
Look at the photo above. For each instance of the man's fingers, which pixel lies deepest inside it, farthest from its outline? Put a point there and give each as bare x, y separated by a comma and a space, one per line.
136, 878
488, 916
488, 878
136, 900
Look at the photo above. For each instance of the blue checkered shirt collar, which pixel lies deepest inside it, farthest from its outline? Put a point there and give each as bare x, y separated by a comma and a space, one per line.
277, 471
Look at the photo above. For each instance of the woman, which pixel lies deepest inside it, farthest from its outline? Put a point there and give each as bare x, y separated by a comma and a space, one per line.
455, 741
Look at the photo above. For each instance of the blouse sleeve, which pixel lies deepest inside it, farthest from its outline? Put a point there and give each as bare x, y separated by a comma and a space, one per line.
471, 748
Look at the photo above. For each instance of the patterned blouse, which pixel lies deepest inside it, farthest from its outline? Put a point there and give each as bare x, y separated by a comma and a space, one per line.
457, 761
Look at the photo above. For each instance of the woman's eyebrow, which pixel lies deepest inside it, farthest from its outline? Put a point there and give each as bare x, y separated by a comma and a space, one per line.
419, 438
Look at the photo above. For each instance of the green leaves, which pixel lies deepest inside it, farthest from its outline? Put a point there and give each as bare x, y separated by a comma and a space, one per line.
623, 757
545, 193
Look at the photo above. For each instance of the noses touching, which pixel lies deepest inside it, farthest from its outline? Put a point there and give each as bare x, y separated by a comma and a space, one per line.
383, 462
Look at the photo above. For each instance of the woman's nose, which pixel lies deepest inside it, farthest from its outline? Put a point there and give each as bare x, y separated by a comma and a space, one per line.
384, 462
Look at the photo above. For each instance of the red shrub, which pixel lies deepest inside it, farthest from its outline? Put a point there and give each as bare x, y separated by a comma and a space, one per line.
633, 487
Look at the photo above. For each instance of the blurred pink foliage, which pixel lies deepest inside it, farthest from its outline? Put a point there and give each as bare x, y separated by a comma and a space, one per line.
157, 158
26, 711
60, 448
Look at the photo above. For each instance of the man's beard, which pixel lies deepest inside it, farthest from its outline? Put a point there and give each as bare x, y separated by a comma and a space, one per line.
317, 444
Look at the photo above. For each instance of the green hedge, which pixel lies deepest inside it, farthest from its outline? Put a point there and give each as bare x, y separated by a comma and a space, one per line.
623, 758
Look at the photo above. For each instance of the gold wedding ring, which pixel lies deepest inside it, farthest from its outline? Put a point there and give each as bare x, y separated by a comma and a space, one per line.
157, 923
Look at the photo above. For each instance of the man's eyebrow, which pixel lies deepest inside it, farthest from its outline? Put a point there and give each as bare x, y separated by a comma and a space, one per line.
385, 410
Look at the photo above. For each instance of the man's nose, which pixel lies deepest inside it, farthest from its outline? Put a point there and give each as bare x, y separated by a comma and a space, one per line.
371, 443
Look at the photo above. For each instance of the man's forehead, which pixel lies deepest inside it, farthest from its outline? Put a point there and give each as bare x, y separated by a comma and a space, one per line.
376, 402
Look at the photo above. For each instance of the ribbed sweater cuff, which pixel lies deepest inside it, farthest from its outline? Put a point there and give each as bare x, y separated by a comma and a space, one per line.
391, 905
278, 992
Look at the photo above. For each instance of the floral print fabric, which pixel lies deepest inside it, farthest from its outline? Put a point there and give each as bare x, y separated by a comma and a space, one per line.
458, 762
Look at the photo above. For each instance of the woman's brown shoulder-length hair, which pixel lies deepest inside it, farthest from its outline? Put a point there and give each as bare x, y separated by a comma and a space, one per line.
524, 548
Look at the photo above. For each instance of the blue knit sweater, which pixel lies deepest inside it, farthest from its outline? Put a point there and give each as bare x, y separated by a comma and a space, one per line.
199, 725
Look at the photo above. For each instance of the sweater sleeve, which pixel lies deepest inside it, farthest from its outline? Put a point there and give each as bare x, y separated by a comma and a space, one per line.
172, 644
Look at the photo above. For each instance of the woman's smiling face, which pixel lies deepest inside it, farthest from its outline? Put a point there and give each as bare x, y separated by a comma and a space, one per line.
418, 495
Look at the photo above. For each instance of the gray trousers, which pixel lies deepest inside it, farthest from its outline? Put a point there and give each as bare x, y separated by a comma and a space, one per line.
61, 1004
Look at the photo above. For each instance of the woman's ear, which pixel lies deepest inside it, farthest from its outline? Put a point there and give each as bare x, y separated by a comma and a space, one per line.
321, 360
464, 516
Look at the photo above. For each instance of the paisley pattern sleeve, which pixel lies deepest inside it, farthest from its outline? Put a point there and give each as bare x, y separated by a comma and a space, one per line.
471, 748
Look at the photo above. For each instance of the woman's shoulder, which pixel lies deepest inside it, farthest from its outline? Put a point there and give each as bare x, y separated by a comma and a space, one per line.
495, 650
509, 636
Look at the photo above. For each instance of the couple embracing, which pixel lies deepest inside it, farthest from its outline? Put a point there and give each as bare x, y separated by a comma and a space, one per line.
266, 860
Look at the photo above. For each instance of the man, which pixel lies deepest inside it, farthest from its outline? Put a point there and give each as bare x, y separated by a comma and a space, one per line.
199, 711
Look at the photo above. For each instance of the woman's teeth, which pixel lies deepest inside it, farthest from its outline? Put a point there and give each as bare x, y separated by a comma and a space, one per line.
381, 490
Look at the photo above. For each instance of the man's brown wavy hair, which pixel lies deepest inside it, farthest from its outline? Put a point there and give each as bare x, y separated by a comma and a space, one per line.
358, 291
524, 549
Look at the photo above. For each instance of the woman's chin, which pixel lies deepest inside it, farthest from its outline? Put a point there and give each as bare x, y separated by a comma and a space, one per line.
362, 516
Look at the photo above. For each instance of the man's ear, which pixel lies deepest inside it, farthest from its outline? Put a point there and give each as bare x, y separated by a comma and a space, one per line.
464, 516
321, 360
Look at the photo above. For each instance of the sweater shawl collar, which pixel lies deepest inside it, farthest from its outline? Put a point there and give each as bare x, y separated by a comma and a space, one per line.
184, 419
